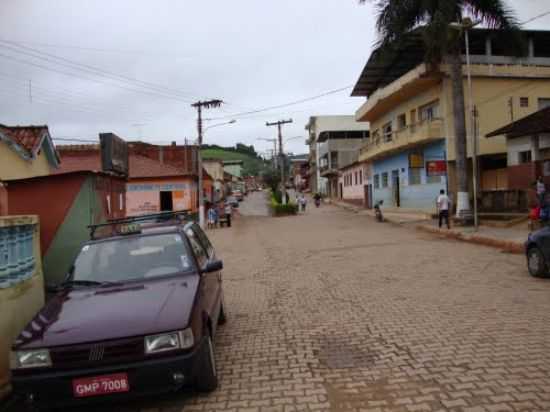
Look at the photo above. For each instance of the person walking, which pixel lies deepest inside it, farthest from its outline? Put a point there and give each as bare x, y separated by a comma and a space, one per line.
211, 218
443, 203
541, 191
228, 211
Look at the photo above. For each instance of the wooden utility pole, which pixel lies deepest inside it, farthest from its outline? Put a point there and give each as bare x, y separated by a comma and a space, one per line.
281, 154
199, 105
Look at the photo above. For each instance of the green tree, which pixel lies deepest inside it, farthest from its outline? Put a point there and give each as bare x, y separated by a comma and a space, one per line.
396, 18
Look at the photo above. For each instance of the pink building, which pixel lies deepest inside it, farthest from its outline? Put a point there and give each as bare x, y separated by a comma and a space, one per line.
352, 183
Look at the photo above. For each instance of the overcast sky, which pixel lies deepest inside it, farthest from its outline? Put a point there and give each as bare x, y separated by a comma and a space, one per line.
250, 53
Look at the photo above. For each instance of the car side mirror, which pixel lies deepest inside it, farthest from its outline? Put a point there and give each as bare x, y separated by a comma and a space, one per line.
52, 288
213, 266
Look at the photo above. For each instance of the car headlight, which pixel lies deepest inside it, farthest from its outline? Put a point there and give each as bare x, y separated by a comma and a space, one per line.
39, 358
169, 341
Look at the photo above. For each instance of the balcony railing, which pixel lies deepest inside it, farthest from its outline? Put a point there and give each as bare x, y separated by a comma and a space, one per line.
417, 133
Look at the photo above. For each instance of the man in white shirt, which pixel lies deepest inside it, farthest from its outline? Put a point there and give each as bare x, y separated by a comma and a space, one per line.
443, 203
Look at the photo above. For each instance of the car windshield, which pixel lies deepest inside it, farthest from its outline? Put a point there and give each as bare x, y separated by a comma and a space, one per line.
135, 258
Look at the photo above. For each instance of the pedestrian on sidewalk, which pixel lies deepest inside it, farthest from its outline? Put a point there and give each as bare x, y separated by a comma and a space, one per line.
212, 218
541, 190
443, 203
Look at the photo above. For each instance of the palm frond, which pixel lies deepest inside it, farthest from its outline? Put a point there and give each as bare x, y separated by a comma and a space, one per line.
494, 13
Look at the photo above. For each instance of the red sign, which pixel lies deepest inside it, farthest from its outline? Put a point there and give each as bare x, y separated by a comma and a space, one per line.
436, 167
100, 385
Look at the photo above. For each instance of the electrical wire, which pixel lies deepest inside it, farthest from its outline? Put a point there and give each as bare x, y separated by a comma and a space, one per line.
546, 13
280, 106
89, 69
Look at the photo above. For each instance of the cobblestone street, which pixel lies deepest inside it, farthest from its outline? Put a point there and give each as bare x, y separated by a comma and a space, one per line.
332, 311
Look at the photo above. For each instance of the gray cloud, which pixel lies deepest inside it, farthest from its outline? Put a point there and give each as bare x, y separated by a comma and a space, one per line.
250, 53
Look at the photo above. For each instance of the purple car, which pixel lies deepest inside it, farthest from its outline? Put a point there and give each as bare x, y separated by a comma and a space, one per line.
136, 315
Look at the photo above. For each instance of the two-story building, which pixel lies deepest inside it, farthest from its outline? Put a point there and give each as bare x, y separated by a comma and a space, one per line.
410, 110
335, 142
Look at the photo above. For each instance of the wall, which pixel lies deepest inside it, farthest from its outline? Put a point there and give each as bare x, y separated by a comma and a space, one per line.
143, 195
421, 99
491, 96
417, 196
214, 168
13, 166
80, 200
354, 191
19, 302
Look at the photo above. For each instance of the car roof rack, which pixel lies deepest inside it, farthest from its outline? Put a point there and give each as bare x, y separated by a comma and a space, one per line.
116, 225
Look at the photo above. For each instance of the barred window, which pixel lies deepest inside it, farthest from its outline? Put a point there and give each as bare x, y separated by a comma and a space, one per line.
414, 176
385, 179
17, 261
377, 181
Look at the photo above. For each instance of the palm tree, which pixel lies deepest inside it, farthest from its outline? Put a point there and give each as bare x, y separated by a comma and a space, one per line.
396, 18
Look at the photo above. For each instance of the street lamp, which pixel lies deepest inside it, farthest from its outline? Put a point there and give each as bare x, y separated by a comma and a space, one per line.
465, 26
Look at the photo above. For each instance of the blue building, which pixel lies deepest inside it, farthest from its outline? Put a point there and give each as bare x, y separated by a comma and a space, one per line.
401, 179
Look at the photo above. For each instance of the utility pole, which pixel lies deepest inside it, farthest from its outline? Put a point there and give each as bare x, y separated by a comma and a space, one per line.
474, 164
199, 105
281, 155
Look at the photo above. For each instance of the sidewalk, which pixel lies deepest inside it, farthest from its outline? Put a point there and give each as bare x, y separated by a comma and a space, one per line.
509, 239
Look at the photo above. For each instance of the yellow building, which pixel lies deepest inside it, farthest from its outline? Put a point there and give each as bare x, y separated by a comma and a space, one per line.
410, 110
26, 151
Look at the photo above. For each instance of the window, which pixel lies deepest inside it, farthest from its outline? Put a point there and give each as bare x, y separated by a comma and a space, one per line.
385, 179
544, 103
356, 178
387, 130
360, 177
429, 112
401, 121
198, 250
433, 179
525, 157
377, 181
414, 176
524, 102
142, 257
203, 239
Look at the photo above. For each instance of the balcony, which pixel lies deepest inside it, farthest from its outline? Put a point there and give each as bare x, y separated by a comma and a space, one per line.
415, 134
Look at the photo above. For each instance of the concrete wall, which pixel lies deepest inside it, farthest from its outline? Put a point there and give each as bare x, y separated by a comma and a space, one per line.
21, 301
13, 166
417, 196
354, 191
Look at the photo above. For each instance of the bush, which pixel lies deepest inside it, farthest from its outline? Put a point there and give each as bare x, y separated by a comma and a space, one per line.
280, 209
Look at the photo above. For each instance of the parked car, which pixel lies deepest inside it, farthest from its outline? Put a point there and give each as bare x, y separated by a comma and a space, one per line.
136, 315
232, 200
537, 249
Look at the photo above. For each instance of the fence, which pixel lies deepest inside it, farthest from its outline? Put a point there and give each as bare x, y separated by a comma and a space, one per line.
504, 201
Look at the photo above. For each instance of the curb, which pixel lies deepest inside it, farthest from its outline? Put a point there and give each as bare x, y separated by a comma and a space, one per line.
506, 245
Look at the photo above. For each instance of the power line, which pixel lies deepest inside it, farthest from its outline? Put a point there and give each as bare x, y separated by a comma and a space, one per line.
546, 13
134, 90
88, 68
280, 106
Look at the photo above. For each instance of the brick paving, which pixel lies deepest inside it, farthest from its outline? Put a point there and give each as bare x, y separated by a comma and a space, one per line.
331, 311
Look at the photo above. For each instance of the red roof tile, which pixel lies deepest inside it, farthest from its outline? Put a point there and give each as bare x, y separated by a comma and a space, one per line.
28, 137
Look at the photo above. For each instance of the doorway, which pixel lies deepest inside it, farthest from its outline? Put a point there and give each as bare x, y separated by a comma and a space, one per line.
395, 187
166, 202
341, 191
368, 196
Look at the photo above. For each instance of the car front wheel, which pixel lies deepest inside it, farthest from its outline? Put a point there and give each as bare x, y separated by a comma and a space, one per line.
207, 379
536, 263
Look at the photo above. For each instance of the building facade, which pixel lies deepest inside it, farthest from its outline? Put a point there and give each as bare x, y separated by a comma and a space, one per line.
410, 110
334, 142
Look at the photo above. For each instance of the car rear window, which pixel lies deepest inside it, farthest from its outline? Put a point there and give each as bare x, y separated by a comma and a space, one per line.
142, 257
